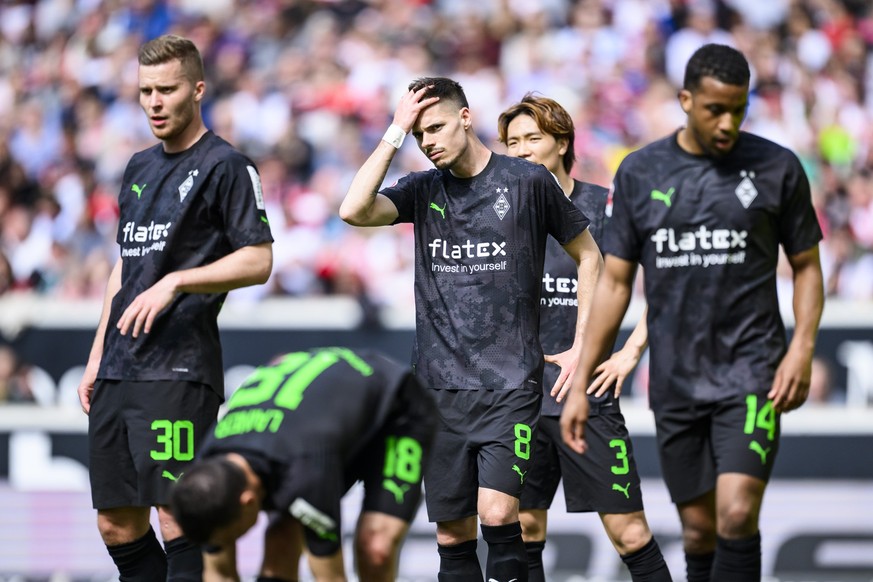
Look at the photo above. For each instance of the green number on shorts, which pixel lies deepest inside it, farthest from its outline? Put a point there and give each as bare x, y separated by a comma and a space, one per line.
177, 439
289, 379
522, 441
402, 459
765, 418
621, 455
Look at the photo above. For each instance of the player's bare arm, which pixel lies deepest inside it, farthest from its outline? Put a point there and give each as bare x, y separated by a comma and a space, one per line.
791, 384
363, 205
86, 385
611, 298
246, 266
620, 364
586, 254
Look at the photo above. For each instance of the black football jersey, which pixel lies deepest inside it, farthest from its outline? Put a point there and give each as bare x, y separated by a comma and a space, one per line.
479, 251
326, 400
180, 211
707, 232
558, 303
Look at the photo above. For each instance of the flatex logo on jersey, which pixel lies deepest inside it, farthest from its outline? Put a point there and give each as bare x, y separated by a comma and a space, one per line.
703, 247
138, 240
559, 291
467, 257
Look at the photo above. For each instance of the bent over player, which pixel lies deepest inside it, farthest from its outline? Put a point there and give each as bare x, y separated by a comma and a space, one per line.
704, 211
297, 434
481, 223
605, 478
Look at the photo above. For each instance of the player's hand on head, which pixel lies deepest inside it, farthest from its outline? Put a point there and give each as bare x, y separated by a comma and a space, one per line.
412, 103
791, 382
567, 361
574, 416
142, 311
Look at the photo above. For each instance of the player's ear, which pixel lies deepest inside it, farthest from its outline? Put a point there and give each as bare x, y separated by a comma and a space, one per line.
199, 90
563, 144
466, 117
685, 100
247, 498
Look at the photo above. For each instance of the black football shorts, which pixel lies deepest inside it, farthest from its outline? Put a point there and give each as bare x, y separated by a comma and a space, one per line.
142, 436
604, 479
696, 444
485, 438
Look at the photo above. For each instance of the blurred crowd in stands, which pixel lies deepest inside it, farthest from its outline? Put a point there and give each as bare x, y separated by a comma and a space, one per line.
307, 87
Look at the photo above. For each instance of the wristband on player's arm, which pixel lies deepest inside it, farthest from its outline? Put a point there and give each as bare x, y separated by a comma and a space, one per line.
394, 135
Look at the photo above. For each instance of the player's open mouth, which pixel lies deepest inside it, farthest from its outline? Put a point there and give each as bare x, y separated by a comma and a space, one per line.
723, 143
158, 121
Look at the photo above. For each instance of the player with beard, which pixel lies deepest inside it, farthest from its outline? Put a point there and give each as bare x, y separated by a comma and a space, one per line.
192, 227
605, 478
704, 211
481, 223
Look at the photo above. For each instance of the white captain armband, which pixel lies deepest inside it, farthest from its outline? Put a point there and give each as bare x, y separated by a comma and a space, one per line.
394, 135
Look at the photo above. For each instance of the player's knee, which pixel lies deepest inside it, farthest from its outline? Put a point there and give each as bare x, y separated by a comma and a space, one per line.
737, 519
698, 539
632, 537
497, 514
377, 549
120, 527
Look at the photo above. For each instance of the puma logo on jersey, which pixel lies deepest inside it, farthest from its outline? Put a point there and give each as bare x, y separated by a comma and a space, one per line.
398, 491
617, 487
520, 473
665, 197
442, 210
762, 452
138, 189
170, 476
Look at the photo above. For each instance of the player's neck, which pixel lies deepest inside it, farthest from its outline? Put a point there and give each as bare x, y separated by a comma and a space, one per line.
565, 181
687, 143
473, 161
192, 134
252, 478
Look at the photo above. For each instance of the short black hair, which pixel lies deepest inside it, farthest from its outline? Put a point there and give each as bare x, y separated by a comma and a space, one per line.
442, 87
719, 61
207, 497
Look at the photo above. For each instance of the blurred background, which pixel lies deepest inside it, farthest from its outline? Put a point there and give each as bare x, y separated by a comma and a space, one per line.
306, 88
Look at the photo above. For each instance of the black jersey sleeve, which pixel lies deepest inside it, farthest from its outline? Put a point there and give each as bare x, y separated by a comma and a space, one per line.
799, 229
564, 221
242, 203
622, 238
403, 193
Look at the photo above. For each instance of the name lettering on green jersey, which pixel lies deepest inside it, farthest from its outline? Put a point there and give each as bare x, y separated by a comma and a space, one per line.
285, 384
246, 421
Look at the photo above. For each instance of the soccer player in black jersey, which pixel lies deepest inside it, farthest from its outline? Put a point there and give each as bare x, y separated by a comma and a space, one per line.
605, 478
297, 434
481, 224
704, 211
192, 227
